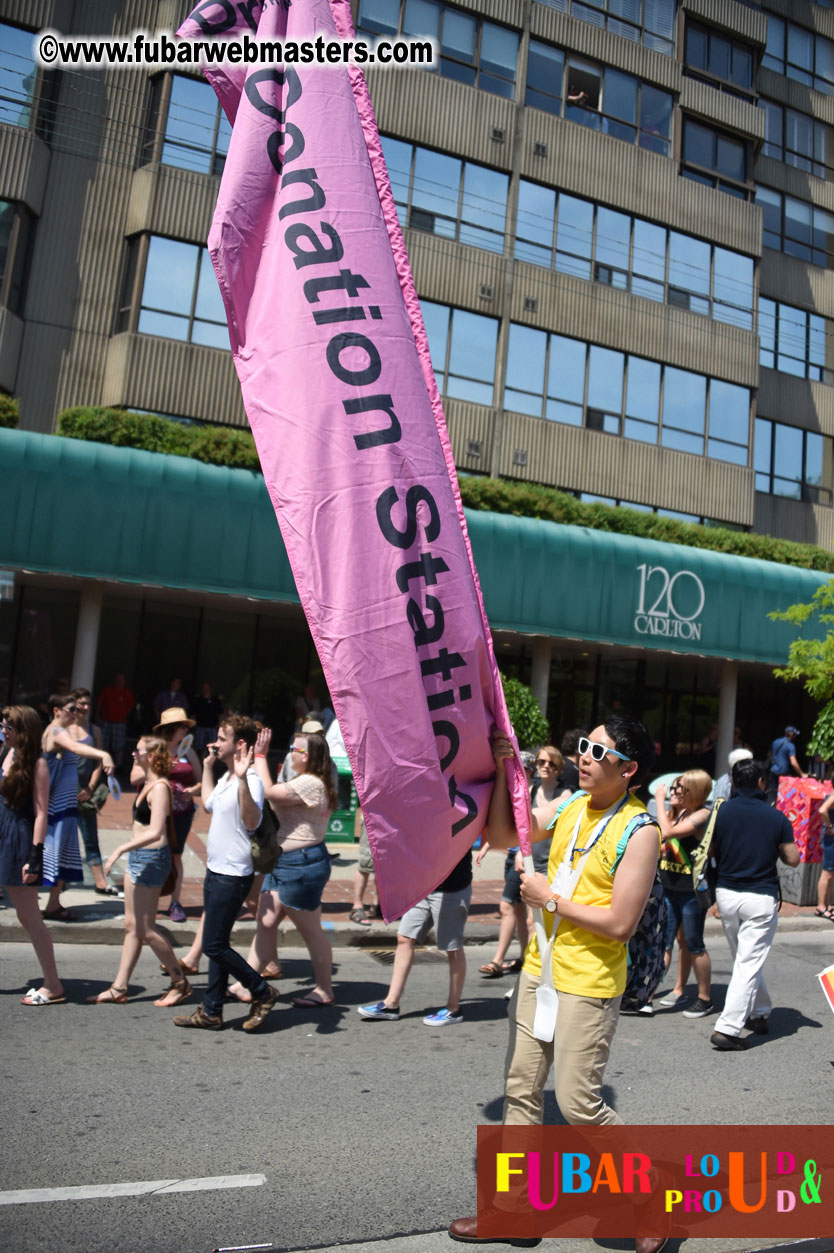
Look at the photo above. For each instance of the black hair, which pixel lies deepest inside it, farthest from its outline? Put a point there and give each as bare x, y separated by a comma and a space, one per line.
570, 742
748, 773
632, 738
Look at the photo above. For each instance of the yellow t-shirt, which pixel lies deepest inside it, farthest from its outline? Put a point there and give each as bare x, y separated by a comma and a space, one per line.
584, 963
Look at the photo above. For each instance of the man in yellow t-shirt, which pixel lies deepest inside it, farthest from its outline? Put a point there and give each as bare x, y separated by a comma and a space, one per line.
597, 919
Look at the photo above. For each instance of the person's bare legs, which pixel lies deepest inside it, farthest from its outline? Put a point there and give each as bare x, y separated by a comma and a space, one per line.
264, 946
360, 887
684, 966
53, 903
457, 975
824, 889
703, 973
403, 960
307, 923
25, 902
192, 957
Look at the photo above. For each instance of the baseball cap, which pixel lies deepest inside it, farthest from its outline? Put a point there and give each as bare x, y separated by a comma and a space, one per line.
312, 727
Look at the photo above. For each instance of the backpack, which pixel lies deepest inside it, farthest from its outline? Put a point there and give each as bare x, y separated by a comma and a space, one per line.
646, 947
264, 841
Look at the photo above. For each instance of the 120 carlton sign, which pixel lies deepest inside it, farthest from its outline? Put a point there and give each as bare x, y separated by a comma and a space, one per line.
669, 604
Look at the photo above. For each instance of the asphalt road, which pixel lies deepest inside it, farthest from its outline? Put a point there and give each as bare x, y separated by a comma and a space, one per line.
364, 1132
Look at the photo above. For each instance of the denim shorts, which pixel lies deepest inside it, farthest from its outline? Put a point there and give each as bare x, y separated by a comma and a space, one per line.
149, 866
512, 881
828, 852
684, 908
300, 876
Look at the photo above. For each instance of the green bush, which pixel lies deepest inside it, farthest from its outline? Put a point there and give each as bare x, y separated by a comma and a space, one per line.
533, 500
529, 723
9, 410
223, 446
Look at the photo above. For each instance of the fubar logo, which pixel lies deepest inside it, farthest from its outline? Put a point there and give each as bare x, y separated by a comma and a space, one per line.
669, 605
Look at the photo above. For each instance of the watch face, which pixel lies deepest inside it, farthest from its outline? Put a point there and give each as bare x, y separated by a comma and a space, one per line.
550, 906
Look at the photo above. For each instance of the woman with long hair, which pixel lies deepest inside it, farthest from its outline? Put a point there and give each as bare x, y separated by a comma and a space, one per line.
61, 854
24, 805
149, 861
294, 889
185, 776
682, 827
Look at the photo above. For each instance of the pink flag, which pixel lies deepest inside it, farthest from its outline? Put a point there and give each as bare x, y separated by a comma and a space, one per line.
334, 366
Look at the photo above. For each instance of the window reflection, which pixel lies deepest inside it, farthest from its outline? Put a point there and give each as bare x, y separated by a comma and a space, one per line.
791, 462
463, 348
446, 196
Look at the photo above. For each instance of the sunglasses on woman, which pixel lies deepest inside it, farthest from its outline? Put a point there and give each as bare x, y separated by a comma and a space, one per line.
597, 750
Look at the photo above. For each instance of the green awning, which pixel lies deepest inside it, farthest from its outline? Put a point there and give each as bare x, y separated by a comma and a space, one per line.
172, 522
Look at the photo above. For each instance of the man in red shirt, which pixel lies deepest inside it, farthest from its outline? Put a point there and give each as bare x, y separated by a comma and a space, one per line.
114, 704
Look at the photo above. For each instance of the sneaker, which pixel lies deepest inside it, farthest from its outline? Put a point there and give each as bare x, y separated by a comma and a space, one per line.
671, 1001
727, 1043
199, 1019
698, 1009
379, 1010
176, 913
442, 1018
630, 1009
758, 1024
647, 1010
260, 1010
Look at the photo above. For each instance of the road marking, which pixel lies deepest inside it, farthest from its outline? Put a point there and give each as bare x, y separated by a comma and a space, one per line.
152, 1187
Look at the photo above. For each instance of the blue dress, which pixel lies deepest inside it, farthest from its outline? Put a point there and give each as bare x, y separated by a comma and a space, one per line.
16, 826
61, 853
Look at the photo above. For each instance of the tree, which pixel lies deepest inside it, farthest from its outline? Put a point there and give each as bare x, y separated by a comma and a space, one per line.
812, 661
529, 723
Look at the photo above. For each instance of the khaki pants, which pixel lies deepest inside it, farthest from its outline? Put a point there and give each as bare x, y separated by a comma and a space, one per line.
585, 1027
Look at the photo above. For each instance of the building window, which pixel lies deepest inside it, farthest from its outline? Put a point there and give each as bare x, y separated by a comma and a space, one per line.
566, 380
186, 125
27, 94
791, 462
463, 349
714, 158
16, 231
179, 297
800, 54
592, 242
446, 196
796, 227
650, 22
797, 139
718, 60
472, 50
599, 97
795, 341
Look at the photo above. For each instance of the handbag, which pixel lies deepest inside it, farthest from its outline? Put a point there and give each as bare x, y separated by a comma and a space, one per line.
704, 867
98, 796
264, 841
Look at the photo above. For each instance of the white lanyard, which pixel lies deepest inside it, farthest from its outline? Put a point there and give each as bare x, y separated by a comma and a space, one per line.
564, 882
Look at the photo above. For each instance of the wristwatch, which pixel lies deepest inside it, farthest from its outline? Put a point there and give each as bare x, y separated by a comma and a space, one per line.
550, 905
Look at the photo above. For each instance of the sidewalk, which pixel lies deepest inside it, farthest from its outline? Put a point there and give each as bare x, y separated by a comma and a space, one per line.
98, 919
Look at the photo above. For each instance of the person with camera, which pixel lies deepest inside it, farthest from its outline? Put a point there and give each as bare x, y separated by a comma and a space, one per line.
235, 805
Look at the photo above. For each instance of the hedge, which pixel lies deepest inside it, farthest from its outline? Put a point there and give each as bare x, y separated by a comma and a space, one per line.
9, 410
229, 446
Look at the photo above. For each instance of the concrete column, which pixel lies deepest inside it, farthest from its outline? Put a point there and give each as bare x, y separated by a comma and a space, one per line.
86, 636
726, 715
540, 675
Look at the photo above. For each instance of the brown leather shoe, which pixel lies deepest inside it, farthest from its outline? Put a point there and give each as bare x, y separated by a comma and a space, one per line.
466, 1230
260, 1011
649, 1244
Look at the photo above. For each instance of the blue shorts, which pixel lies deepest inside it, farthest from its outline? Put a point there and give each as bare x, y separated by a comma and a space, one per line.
299, 877
684, 908
828, 852
149, 866
512, 881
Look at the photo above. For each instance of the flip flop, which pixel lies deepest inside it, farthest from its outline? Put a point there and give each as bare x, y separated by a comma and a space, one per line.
35, 997
268, 974
57, 915
312, 1002
510, 968
359, 915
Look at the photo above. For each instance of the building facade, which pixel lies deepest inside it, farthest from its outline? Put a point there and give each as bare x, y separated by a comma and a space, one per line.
619, 214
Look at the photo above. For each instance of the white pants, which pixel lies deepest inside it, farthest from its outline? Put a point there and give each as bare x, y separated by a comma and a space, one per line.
749, 920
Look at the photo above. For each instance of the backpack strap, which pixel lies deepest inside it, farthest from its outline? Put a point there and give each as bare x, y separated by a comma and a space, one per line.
640, 820
562, 806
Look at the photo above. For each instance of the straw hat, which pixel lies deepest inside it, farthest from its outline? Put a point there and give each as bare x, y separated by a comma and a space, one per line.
312, 727
175, 716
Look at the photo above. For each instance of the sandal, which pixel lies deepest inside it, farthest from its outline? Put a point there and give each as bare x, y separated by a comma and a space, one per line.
181, 989
359, 915
825, 913
36, 997
185, 968
511, 968
110, 996
56, 915
271, 972
492, 970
